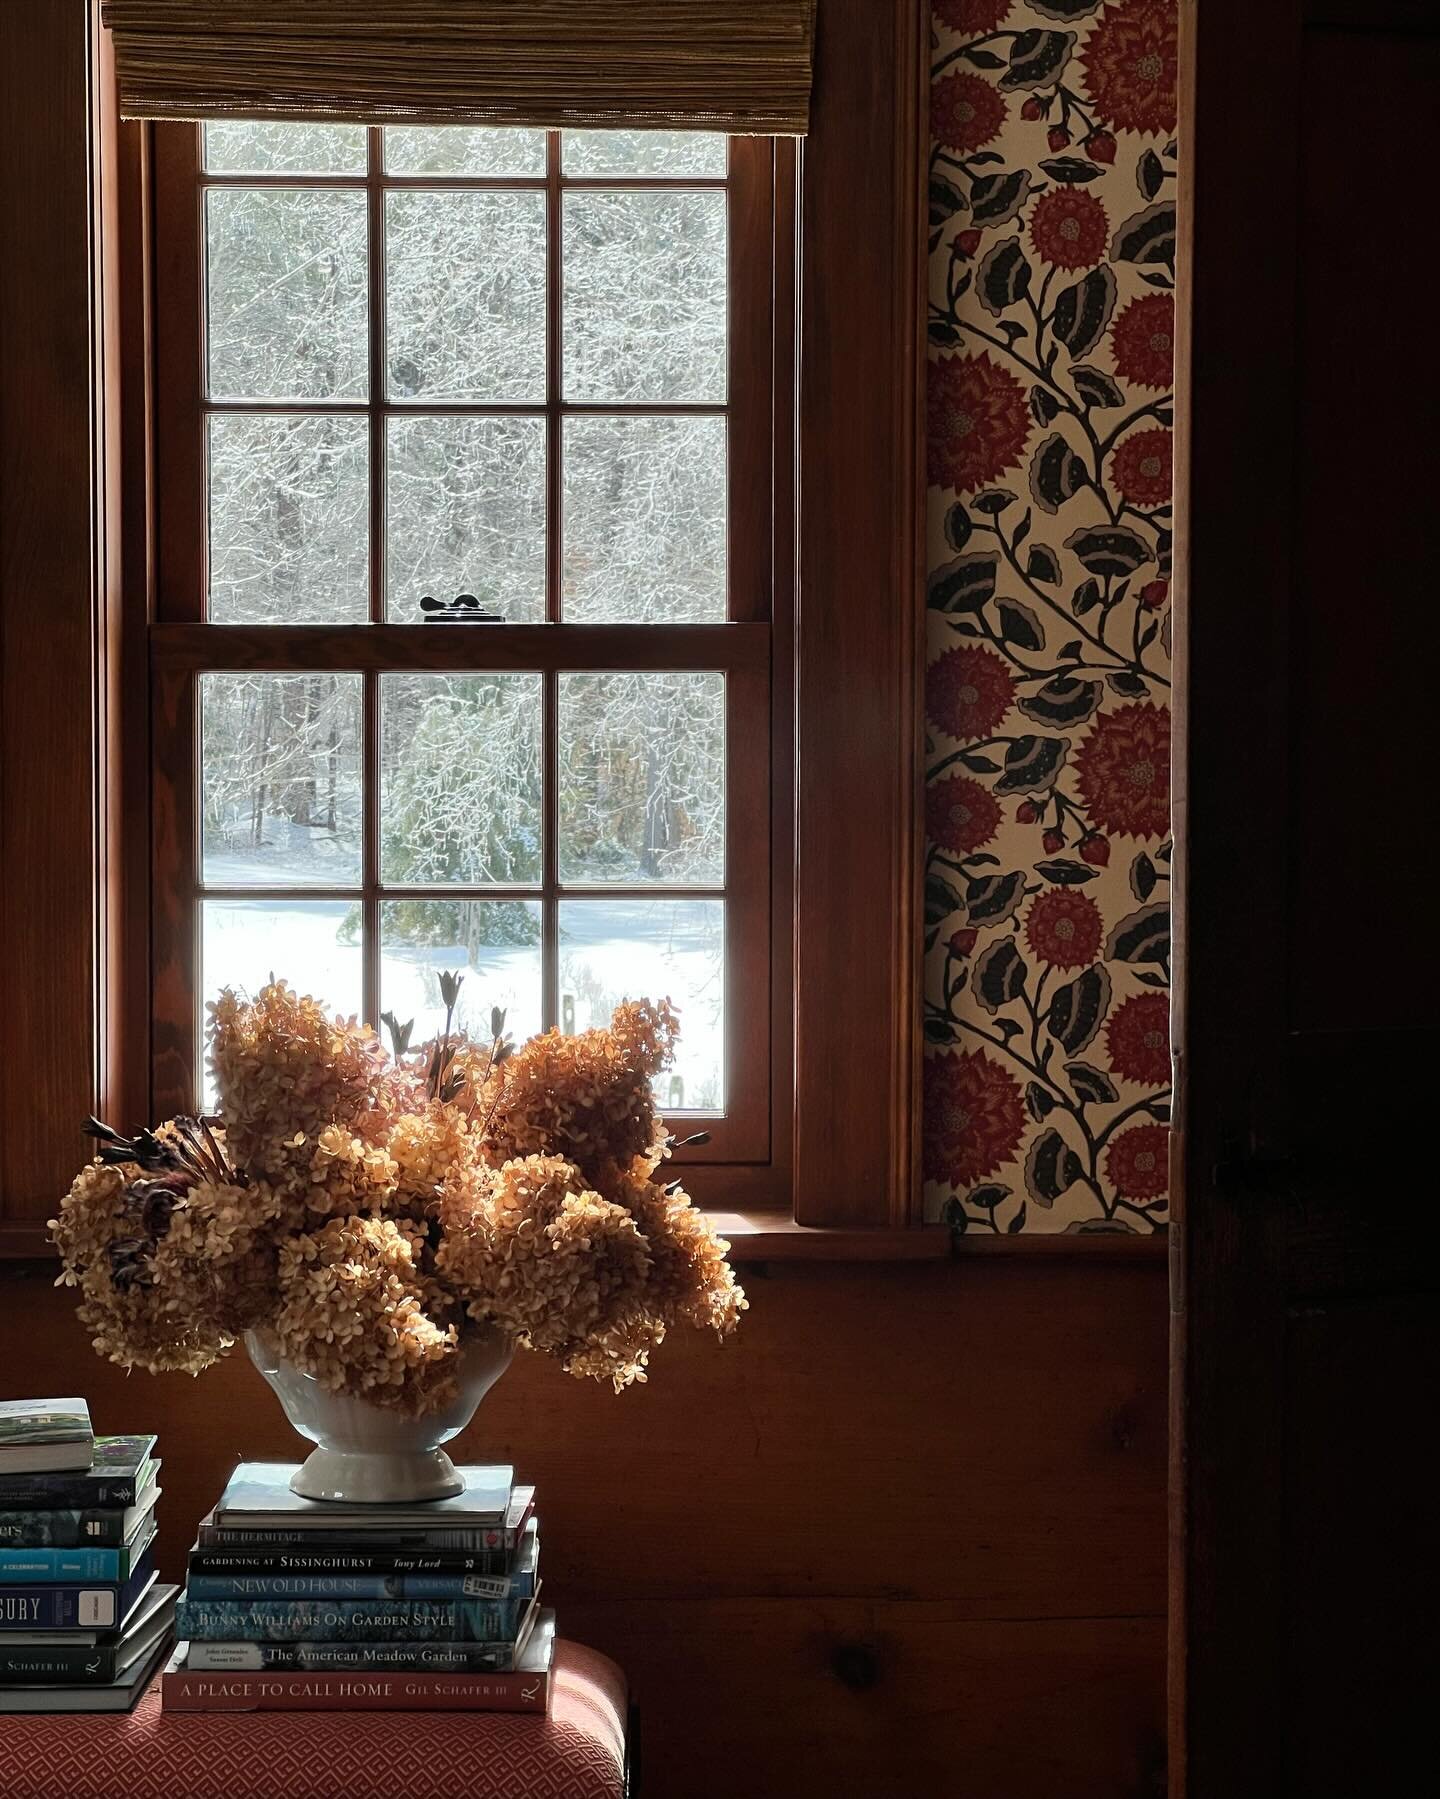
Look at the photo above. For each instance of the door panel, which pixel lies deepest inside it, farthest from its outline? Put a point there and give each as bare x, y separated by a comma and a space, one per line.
1304, 1290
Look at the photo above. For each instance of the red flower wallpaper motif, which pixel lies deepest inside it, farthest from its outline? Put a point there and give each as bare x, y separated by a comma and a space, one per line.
1140, 468
974, 1116
1137, 1162
966, 113
1142, 341
968, 692
961, 815
1131, 62
1069, 229
977, 421
1064, 928
972, 16
1123, 770
1050, 416
1139, 1038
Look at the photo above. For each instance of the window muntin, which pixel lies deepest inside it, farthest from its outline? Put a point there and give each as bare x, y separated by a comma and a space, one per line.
594, 833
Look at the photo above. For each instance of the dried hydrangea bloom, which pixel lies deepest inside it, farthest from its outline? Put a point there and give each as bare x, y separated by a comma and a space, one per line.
436, 1154
557, 1267
106, 1252
587, 1097
353, 1313
691, 1282
347, 1174
217, 1258
285, 1071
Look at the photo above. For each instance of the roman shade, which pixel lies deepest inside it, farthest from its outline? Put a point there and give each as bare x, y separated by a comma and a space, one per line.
715, 65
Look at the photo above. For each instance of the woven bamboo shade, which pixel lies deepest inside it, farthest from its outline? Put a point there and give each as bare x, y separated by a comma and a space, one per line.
715, 65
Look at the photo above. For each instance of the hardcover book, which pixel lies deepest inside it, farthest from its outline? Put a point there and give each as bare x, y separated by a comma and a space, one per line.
22, 1567
359, 1658
324, 1583
347, 1620
416, 1544
96, 1664
259, 1496
105, 1527
119, 1470
43, 1609
38, 1435
118, 1695
526, 1688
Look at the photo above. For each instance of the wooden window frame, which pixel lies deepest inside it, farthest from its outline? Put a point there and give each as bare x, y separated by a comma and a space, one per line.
842, 1180
185, 647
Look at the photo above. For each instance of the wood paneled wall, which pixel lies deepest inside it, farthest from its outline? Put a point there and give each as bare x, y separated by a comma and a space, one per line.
904, 1535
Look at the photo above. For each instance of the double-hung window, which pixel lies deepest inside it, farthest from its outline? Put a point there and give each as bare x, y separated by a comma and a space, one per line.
649, 397
471, 450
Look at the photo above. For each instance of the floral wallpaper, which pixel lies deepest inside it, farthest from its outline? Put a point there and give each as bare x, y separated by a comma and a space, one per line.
1052, 241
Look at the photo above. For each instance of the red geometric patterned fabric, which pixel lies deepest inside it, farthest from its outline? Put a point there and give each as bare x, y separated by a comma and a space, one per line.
577, 1752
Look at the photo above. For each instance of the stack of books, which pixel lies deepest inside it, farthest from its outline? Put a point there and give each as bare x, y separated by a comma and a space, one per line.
306, 1605
84, 1623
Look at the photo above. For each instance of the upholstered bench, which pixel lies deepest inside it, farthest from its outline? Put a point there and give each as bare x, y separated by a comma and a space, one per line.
578, 1751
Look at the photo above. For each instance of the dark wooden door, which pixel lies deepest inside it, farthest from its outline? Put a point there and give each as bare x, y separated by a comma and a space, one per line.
1306, 1243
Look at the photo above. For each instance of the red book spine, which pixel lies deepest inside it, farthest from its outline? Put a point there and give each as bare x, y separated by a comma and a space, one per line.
185, 1691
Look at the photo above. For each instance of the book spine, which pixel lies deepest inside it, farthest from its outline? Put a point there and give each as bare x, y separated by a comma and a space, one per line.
351, 1658
64, 1492
247, 1588
234, 1536
59, 1608
346, 1620
61, 1529
189, 1690
18, 1565
292, 1560
56, 1664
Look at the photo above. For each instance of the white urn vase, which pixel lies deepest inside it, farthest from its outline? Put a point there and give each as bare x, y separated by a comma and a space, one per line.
368, 1454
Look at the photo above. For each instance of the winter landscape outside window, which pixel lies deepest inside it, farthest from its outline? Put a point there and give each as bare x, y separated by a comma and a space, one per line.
510, 375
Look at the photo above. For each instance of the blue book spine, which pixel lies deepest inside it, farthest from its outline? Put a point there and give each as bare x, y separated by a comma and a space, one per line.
21, 1566
348, 1620
247, 1588
101, 1606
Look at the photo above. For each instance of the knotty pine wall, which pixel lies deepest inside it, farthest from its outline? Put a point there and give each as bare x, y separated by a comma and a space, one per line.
904, 1536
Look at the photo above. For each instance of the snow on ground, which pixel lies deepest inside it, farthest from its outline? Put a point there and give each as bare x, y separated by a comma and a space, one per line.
610, 950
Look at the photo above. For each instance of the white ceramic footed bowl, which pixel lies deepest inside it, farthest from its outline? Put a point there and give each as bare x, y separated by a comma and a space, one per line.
365, 1453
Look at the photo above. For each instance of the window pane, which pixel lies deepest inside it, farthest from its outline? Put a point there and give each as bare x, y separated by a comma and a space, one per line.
312, 944
261, 147
644, 297
465, 296
465, 513
289, 507
652, 949
495, 943
644, 526
463, 150
280, 780
642, 778
644, 153
285, 281
460, 778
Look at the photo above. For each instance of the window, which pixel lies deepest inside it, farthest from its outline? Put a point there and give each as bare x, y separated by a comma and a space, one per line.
819, 653
465, 444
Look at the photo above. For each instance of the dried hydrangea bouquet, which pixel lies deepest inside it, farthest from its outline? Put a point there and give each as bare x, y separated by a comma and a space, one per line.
384, 1230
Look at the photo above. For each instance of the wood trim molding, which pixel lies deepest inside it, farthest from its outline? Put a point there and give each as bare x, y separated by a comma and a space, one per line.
859, 617
58, 582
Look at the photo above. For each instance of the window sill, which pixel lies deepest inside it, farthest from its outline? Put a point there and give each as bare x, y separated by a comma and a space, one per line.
774, 1236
